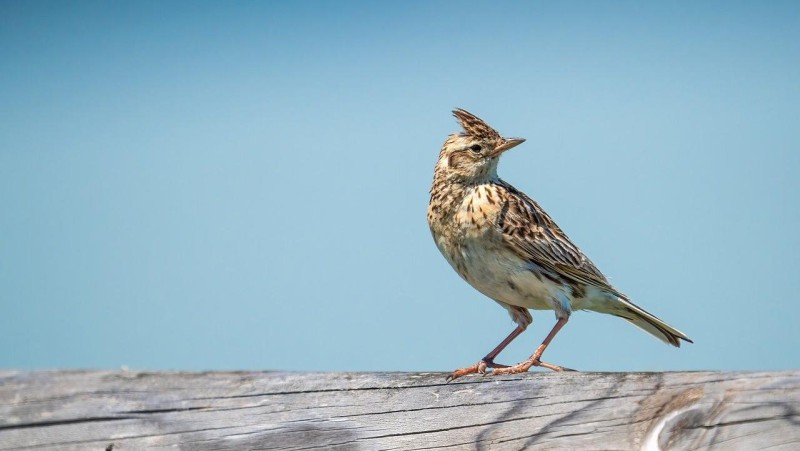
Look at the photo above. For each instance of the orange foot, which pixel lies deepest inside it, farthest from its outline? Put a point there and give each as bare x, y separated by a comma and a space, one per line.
479, 368
524, 366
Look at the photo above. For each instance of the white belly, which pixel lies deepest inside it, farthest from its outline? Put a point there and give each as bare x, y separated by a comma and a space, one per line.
504, 277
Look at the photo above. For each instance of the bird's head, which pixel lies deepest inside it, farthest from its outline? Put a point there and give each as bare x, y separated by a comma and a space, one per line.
472, 155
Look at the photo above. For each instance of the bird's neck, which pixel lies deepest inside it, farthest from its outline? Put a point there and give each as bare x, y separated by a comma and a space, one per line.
449, 190
444, 181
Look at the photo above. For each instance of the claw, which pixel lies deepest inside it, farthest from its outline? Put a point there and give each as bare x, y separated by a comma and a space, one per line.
524, 366
464, 371
479, 368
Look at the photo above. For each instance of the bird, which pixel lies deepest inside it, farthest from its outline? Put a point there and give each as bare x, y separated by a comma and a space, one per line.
507, 247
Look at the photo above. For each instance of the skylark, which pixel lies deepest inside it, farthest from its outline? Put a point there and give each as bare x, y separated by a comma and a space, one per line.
504, 244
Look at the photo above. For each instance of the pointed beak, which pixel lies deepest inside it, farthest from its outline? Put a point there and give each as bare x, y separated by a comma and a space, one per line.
507, 144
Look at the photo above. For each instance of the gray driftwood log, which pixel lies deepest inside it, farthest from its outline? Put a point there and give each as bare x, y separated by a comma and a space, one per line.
121, 410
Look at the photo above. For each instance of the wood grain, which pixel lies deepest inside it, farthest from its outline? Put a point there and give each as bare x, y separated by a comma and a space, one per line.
122, 410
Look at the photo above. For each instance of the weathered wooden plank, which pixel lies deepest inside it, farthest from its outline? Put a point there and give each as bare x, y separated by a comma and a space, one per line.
206, 411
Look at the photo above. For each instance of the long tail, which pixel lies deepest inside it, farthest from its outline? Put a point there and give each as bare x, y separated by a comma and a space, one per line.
648, 322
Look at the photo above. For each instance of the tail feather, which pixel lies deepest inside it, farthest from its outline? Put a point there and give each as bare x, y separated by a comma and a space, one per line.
649, 323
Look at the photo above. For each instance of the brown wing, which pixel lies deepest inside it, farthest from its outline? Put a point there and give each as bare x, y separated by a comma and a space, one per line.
535, 237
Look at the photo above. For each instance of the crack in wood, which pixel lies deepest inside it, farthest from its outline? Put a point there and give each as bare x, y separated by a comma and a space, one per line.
42, 424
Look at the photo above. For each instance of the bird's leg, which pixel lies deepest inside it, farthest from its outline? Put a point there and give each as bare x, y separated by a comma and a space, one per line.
534, 359
488, 361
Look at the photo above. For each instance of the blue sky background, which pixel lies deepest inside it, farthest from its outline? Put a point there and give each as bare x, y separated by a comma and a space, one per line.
244, 185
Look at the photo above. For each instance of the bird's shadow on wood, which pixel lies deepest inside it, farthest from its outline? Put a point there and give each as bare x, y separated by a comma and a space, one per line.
484, 442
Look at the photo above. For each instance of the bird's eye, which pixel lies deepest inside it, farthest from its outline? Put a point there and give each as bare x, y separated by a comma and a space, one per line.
475, 148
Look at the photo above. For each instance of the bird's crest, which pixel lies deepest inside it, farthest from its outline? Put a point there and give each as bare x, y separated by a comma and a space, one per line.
473, 125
